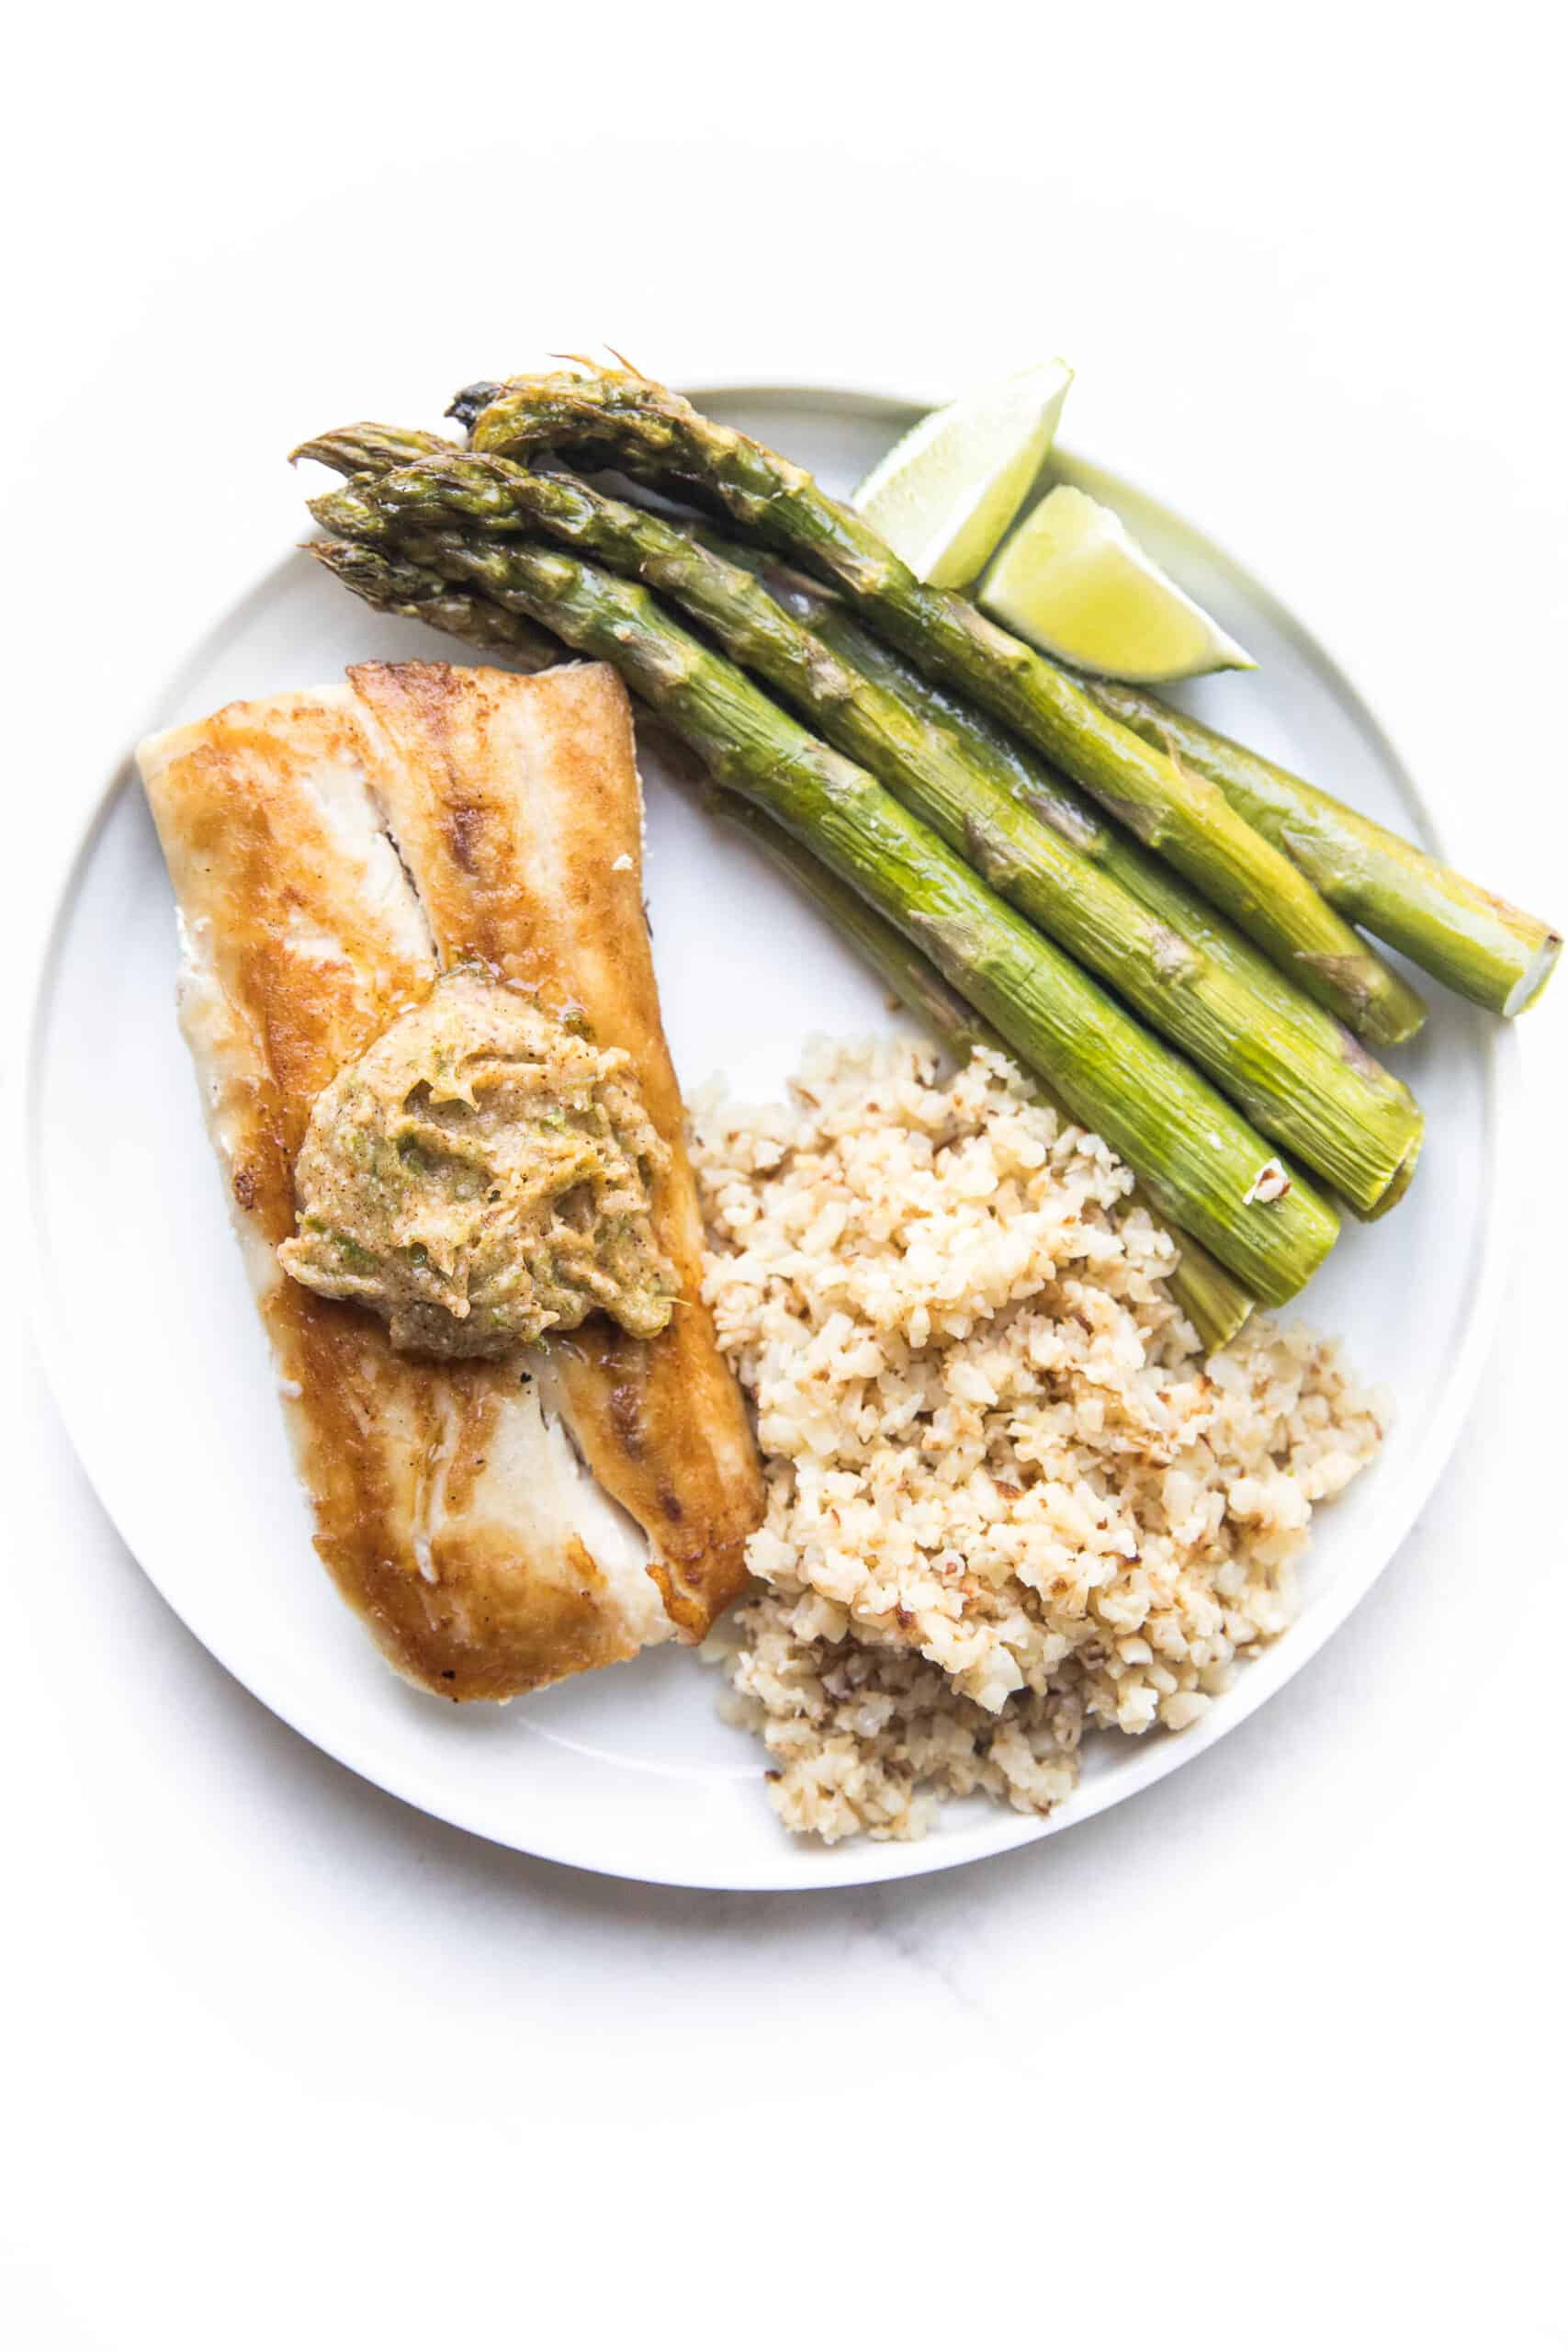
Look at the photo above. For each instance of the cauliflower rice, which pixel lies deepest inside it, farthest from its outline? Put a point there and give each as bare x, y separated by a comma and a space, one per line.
1008, 1501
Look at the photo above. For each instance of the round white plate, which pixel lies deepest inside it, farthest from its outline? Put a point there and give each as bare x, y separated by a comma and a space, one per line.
163, 1378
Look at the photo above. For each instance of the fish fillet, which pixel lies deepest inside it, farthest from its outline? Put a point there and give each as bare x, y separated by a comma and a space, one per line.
497, 1525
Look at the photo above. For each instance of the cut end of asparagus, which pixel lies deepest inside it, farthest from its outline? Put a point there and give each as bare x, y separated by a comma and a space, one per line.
1475, 943
1390, 1013
1532, 981
1213, 1302
1398, 1184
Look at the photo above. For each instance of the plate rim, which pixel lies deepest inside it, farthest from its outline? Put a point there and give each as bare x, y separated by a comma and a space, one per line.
855, 1861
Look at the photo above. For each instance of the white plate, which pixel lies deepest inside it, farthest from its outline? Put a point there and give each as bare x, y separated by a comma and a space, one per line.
162, 1374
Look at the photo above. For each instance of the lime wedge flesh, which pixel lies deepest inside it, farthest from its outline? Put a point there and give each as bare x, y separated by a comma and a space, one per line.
943, 495
1074, 582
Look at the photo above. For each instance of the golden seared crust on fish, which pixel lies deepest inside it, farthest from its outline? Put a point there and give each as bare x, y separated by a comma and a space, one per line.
498, 1524
517, 805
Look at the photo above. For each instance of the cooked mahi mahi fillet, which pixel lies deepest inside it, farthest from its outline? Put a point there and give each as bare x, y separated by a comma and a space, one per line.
497, 1524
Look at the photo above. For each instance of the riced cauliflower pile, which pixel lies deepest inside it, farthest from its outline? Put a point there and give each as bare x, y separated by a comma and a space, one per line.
1008, 1501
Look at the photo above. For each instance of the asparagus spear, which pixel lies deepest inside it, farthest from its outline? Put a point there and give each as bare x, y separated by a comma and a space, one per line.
653, 435
1300, 1077
1489, 950
1016, 769
1213, 1302
394, 585
1205, 1168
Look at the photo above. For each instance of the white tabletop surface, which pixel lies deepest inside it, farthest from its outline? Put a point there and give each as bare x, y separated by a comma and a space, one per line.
1273, 2054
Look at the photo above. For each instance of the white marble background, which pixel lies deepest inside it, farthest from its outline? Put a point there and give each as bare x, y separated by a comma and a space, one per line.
1274, 2054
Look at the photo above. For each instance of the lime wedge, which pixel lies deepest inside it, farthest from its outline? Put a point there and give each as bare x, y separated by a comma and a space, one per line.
944, 495
1073, 581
